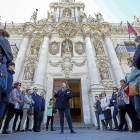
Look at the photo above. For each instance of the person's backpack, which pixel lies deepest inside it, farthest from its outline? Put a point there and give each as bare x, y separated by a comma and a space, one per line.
136, 57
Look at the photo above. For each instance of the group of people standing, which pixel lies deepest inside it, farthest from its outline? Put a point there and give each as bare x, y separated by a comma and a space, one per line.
125, 99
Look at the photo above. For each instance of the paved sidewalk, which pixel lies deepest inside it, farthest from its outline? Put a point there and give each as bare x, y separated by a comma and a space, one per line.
81, 135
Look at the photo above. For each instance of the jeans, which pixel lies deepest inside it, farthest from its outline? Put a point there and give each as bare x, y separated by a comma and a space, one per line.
48, 120
68, 117
41, 116
3, 103
18, 113
132, 114
10, 115
3, 115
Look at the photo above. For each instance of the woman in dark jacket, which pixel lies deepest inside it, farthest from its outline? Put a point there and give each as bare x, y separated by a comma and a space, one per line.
63, 105
129, 108
15, 97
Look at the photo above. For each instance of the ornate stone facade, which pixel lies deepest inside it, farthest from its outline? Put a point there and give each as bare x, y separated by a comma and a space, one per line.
69, 44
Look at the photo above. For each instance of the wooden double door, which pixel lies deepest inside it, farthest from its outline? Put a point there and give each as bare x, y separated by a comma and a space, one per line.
76, 107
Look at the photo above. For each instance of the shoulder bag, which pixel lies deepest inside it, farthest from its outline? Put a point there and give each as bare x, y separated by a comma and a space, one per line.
30, 111
102, 116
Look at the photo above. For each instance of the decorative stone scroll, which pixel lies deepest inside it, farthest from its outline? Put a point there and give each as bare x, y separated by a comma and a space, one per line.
67, 12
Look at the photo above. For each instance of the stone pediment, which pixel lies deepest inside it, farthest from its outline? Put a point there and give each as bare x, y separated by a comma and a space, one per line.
29, 27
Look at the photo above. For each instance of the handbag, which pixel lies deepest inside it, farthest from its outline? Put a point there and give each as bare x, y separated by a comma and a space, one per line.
102, 116
134, 90
30, 111
3, 76
121, 104
17, 106
54, 111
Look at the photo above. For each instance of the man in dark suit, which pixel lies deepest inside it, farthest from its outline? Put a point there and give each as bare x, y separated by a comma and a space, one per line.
35, 98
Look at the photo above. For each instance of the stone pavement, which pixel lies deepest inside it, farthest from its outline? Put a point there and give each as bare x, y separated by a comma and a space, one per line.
81, 135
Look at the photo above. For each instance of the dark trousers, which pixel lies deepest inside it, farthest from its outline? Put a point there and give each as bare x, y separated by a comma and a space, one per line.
97, 118
41, 116
115, 113
48, 120
11, 113
131, 112
18, 113
68, 117
3, 115
3, 103
36, 119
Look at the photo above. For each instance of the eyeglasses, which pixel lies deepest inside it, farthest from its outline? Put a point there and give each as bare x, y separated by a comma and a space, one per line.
35, 89
19, 85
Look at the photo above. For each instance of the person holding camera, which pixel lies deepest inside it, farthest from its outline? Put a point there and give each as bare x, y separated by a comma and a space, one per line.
63, 106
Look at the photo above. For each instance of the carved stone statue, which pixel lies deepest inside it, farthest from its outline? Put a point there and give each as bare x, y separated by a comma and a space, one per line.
35, 48
136, 21
83, 15
99, 17
49, 15
34, 16
67, 47
99, 48
104, 71
29, 72
67, 12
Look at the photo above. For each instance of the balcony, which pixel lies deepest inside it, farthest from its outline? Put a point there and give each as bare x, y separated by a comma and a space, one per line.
125, 51
14, 50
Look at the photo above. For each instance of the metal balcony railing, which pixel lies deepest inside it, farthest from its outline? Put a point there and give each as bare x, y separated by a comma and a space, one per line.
124, 48
14, 49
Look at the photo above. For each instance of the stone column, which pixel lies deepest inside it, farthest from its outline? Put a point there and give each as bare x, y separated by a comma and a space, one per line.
42, 64
117, 70
21, 56
76, 14
92, 68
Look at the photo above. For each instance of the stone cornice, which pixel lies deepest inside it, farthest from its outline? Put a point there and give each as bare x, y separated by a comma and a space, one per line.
47, 34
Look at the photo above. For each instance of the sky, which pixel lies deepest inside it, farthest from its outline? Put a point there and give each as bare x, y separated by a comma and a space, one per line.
113, 11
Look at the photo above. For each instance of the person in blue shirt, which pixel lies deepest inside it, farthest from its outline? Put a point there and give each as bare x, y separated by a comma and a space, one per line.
35, 98
63, 106
41, 109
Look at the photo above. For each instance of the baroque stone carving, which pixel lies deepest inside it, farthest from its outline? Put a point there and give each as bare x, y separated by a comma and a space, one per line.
99, 17
99, 48
83, 15
35, 46
49, 15
67, 64
136, 21
54, 48
104, 71
67, 30
29, 72
67, 47
79, 47
34, 16
67, 12
108, 84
